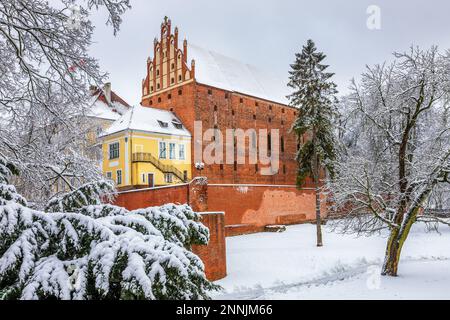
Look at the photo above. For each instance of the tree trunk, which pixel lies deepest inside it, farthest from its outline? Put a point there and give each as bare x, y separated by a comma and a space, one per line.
318, 218
395, 244
316, 177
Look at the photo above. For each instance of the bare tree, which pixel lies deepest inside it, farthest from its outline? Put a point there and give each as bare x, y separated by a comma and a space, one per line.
400, 148
44, 89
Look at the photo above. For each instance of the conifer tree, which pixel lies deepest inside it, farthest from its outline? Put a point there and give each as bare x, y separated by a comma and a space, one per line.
81, 249
314, 96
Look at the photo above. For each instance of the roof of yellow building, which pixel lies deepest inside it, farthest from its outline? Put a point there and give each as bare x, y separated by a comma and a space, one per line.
148, 120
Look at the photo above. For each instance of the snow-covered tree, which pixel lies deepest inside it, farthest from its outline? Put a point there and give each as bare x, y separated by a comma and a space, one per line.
314, 96
398, 151
44, 89
97, 251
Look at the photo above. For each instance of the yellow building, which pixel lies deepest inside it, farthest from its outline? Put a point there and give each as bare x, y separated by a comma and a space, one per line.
146, 147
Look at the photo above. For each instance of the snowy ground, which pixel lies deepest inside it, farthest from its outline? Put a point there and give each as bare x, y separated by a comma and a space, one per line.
289, 266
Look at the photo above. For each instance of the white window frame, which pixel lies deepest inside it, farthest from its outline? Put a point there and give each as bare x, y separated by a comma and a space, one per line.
118, 150
172, 151
168, 178
117, 177
181, 152
160, 151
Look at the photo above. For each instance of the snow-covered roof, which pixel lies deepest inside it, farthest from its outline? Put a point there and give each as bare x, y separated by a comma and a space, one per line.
148, 120
99, 108
223, 72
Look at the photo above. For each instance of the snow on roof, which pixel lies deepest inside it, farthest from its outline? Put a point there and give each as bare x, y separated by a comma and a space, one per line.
149, 120
223, 72
101, 110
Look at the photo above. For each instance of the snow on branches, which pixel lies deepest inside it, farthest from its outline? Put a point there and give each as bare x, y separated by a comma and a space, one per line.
99, 251
400, 153
44, 91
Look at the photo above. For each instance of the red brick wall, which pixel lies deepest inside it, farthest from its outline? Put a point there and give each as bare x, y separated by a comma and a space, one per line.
145, 198
214, 254
259, 206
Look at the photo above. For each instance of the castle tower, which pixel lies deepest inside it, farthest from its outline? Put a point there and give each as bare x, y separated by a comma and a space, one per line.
168, 68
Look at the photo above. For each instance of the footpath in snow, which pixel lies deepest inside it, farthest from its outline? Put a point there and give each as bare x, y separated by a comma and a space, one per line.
289, 266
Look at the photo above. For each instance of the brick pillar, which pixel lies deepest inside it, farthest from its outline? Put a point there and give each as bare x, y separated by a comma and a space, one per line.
214, 254
198, 194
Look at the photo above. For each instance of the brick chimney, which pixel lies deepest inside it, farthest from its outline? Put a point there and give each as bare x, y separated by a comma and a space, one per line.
107, 92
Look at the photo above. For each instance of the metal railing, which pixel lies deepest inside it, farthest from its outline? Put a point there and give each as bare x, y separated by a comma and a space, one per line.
166, 168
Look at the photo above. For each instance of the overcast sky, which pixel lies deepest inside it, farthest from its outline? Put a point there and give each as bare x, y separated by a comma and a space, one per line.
268, 33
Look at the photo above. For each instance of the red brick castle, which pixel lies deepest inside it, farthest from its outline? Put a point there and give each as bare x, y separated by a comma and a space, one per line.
201, 85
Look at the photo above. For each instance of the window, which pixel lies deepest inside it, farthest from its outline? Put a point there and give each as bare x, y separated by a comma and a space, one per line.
254, 117
256, 104
180, 92
173, 66
185, 175
151, 102
282, 144
169, 96
282, 110
172, 151
172, 80
284, 169
177, 124
226, 95
256, 168
270, 120
235, 165
114, 151
157, 72
232, 112
215, 108
109, 175
209, 91
163, 124
270, 107
119, 177
241, 100
162, 150
159, 100
179, 77
221, 167
143, 178
168, 178
181, 153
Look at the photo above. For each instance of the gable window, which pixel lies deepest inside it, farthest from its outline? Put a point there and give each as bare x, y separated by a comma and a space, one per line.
177, 124
114, 152
163, 124
172, 151
168, 178
162, 150
119, 177
181, 152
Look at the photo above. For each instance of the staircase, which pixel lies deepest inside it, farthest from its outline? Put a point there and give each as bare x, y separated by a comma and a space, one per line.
165, 168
